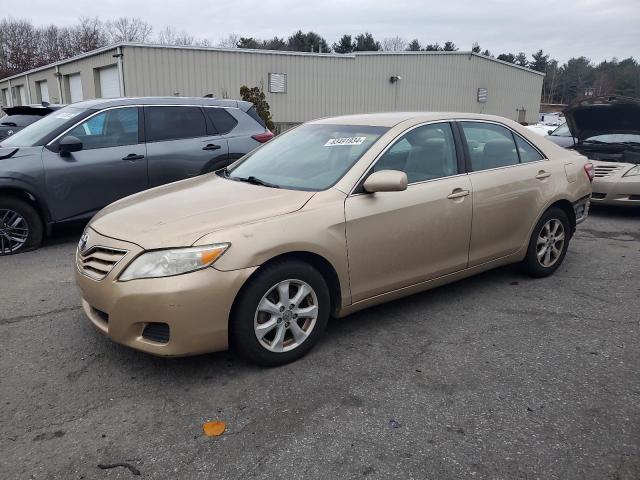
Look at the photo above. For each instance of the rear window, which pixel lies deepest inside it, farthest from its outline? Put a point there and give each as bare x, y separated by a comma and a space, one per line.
173, 123
19, 120
252, 112
222, 121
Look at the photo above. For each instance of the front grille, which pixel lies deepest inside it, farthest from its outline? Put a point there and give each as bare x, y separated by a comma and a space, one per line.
602, 171
598, 195
98, 261
156, 332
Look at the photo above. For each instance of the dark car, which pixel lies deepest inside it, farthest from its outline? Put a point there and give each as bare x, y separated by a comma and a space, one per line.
561, 136
85, 156
20, 116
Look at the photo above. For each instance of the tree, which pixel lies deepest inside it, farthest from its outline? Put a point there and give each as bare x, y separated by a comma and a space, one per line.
414, 46
248, 42
276, 43
169, 36
230, 41
540, 61
307, 42
128, 29
507, 57
256, 96
394, 44
475, 48
366, 43
487, 53
449, 47
435, 47
345, 45
521, 59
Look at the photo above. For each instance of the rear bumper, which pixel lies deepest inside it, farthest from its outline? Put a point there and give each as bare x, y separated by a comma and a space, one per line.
581, 209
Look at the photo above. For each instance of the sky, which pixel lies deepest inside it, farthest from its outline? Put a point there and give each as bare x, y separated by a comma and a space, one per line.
596, 29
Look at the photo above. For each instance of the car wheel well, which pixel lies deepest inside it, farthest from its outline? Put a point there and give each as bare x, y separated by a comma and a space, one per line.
27, 197
567, 207
319, 263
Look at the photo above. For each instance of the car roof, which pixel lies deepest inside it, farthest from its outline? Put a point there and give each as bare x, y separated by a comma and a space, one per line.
391, 119
100, 103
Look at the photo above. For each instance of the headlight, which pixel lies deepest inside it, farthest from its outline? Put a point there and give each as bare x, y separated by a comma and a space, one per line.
634, 171
165, 263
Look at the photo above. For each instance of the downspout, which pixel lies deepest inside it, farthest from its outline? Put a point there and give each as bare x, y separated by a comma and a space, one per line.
119, 55
26, 79
59, 79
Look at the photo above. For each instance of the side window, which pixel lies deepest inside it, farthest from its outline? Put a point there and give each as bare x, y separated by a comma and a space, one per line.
424, 153
490, 145
254, 114
111, 128
222, 120
172, 123
526, 151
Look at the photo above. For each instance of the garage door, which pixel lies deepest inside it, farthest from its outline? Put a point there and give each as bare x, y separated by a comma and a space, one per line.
109, 82
21, 94
44, 91
75, 87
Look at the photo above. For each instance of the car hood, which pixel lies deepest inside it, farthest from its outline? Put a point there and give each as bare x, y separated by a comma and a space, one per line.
603, 115
180, 213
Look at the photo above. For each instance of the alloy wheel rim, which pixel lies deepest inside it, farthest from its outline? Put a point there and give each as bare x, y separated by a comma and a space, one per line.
550, 242
286, 315
14, 231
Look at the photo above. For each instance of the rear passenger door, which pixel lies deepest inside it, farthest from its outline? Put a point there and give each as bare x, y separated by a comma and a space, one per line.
510, 180
181, 143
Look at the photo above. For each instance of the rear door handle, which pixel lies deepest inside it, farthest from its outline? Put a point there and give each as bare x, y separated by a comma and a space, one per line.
542, 175
212, 146
133, 156
458, 193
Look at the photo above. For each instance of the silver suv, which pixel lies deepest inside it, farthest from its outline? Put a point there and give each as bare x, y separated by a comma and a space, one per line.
85, 156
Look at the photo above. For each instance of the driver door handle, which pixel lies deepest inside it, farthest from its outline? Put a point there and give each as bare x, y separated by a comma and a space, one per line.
458, 193
211, 146
133, 156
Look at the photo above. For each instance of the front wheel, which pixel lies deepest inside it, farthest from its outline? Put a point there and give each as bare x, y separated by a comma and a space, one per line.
280, 314
548, 244
20, 226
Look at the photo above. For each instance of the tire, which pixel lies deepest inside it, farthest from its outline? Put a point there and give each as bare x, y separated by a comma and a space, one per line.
18, 220
548, 244
260, 311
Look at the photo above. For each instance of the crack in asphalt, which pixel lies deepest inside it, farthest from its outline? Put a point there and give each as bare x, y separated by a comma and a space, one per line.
20, 318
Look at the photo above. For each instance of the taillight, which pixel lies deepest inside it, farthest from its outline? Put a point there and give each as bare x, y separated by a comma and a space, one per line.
263, 137
588, 168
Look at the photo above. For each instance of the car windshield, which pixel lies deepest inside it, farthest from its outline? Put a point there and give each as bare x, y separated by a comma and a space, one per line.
562, 131
614, 138
32, 134
310, 157
18, 120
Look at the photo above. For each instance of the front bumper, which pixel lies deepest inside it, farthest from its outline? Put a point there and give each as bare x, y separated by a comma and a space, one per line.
616, 189
193, 307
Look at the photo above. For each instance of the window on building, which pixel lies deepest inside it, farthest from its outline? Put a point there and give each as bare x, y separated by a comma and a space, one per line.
172, 123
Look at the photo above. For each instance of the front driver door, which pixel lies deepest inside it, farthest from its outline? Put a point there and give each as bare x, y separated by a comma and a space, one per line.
112, 164
397, 239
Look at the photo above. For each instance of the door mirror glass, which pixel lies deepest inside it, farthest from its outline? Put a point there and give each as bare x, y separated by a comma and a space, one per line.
69, 144
386, 181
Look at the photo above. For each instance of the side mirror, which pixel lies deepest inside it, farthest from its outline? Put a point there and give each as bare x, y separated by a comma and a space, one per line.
69, 144
386, 181
549, 132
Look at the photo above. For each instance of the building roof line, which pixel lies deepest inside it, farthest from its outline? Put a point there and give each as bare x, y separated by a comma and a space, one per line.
352, 56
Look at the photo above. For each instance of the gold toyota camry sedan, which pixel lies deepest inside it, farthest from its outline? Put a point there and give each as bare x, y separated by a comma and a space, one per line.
329, 218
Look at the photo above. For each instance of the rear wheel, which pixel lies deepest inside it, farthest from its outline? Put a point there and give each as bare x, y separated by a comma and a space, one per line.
548, 244
20, 226
280, 314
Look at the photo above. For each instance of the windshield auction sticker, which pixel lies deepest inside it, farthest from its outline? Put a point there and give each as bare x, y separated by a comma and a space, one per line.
66, 115
334, 142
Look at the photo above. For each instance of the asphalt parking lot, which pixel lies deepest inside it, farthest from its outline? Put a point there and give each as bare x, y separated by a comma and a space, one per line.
497, 376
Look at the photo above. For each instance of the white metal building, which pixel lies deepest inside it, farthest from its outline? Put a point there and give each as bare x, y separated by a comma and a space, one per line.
299, 86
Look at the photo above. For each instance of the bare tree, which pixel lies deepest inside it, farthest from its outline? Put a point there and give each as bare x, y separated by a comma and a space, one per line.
394, 44
128, 29
231, 41
169, 36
